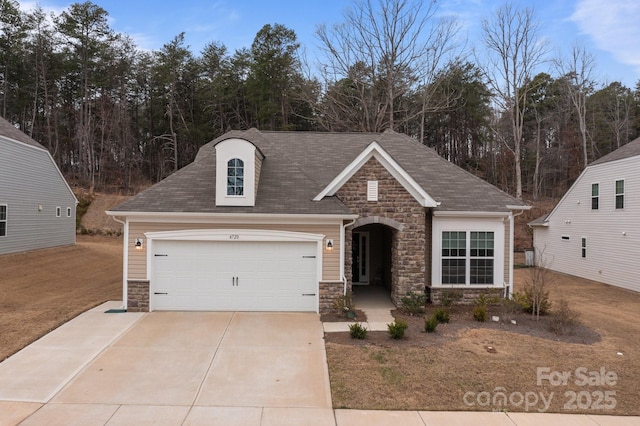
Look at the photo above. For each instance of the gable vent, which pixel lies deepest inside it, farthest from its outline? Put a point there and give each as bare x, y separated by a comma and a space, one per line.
372, 190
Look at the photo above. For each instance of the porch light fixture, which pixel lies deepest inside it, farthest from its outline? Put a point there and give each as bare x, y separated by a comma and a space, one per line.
329, 245
138, 244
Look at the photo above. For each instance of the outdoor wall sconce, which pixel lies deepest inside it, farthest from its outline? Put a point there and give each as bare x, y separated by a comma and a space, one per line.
329, 245
138, 244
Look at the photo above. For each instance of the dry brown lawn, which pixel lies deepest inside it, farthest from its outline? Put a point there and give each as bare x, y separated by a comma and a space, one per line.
42, 289
435, 371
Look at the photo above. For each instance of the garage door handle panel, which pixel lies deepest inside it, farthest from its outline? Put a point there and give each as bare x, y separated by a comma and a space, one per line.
161, 255
308, 257
160, 293
308, 294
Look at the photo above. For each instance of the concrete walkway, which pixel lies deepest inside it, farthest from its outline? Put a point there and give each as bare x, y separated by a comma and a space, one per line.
200, 368
376, 304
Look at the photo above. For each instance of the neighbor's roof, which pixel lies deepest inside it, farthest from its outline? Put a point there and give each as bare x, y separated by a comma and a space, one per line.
299, 165
631, 149
10, 131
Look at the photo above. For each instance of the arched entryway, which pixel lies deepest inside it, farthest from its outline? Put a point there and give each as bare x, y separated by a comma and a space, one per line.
372, 261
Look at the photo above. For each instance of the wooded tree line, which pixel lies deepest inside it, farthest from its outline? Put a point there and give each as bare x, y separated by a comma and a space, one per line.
114, 116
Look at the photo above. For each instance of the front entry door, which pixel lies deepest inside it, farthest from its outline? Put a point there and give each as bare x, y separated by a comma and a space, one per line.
360, 253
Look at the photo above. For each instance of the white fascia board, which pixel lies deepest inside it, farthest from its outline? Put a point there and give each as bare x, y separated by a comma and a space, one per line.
233, 235
470, 214
374, 150
230, 218
566, 194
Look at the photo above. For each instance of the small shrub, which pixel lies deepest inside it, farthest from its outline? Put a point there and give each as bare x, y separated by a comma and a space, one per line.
449, 297
430, 324
509, 308
343, 304
397, 328
413, 302
564, 320
357, 331
526, 300
480, 313
441, 315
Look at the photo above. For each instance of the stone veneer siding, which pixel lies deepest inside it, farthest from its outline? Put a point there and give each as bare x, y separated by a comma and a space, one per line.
462, 296
409, 250
330, 291
138, 296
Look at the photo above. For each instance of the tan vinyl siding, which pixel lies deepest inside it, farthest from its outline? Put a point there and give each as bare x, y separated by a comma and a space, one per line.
137, 262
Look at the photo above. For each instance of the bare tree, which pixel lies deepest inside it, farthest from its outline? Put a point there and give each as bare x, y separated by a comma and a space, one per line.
514, 51
382, 50
577, 70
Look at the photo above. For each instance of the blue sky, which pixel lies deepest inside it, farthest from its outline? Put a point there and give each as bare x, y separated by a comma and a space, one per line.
608, 29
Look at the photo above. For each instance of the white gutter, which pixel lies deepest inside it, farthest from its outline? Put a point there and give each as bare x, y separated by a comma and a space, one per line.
511, 220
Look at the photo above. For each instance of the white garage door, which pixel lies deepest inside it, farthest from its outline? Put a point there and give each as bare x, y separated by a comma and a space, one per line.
234, 276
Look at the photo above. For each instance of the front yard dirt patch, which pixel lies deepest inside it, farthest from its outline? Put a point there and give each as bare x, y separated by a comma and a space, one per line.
467, 365
42, 289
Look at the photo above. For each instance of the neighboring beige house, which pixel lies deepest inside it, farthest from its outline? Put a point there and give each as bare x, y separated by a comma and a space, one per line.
594, 231
289, 221
37, 207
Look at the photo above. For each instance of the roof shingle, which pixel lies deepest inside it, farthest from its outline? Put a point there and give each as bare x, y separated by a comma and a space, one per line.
299, 165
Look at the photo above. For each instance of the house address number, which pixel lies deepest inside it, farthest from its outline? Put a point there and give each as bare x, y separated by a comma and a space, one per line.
234, 236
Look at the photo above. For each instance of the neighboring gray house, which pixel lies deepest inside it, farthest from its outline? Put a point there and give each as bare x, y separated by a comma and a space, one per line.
37, 207
594, 231
290, 221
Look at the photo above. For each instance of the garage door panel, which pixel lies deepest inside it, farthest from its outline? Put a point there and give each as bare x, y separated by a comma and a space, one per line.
248, 276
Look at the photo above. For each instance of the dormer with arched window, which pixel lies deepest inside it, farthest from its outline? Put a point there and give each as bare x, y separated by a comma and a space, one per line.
237, 170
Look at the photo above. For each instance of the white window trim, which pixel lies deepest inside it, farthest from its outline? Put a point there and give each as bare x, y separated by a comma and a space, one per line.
244, 168
6, 220
495, 225
591, 196
615, 194
242, 150
583, 247
58, 211
372, 190
68, 211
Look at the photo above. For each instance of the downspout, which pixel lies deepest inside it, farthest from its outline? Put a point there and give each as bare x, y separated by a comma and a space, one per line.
343, 231
511, 219
125, 263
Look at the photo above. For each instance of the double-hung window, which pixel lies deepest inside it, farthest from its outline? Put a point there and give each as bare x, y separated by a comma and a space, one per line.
595, 196
619, 194
3, 220
468, 257
481, 256
235, 177
454, 257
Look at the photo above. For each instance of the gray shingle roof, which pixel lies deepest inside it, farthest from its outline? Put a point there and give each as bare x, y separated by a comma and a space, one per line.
299, 165
9, 130
631, 149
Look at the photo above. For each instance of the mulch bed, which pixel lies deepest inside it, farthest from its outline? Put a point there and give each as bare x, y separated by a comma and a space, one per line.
461, 319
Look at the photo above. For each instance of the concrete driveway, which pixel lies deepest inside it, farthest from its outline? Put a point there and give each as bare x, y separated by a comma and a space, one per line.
171, 368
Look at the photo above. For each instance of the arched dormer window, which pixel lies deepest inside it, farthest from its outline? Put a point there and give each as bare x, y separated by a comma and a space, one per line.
235, 177
237, 166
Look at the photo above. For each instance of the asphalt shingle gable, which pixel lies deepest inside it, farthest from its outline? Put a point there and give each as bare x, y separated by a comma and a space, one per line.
299, 165
631, 149
9, 130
